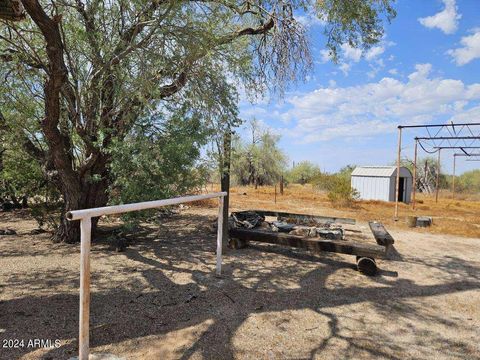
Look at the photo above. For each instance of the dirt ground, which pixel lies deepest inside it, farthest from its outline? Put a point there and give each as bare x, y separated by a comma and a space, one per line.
160, 300
459, 216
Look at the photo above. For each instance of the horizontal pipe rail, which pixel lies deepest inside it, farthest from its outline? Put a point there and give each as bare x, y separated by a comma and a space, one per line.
448, 138
436, 125
120, 209
472, 154
85, 216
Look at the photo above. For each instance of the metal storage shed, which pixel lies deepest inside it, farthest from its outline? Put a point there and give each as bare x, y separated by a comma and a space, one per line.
378, 183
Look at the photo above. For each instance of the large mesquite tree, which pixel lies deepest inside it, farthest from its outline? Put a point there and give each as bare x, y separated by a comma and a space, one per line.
78, 74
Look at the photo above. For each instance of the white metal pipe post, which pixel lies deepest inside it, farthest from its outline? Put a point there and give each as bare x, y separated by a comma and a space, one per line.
85, 216
221, 203
84, 318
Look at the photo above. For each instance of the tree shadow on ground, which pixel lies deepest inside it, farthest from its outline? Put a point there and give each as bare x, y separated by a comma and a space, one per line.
249, 287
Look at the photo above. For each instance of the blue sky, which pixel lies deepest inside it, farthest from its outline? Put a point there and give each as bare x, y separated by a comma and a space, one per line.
425, 70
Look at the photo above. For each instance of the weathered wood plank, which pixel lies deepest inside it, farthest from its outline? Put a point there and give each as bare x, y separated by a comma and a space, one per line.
311, 244
380, 233
305, 217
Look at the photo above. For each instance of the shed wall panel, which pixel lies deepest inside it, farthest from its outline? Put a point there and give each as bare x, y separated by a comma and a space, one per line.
371, 188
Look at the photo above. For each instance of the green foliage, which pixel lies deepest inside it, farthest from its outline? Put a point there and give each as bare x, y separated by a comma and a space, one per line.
259, 162
346, 171
468, 182
20, 175
109, 65
302, 173
338, 187
159, 159
355, 22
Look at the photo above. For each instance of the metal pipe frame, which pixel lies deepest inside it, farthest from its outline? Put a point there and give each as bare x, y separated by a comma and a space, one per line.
436, 125
448, 138
414, 182
455, 166
438, 149
473, 154
455, 147
85, 216
397, 183
437, 182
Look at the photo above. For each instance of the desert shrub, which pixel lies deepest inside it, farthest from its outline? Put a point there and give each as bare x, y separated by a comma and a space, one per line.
339, 190
259, 162
469, 182
302, 173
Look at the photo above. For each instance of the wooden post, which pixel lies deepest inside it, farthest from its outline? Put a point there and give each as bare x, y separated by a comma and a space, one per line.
275, 197
220, 235
397, 185
225, 183
85, 239
281, 185
437, 184
414, 184
453, 176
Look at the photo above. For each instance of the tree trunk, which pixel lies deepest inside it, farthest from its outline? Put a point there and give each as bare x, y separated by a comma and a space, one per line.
92, 194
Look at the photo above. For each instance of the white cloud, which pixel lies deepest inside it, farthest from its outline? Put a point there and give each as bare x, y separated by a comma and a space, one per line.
309, 20
377, 107
345, 67
469, 51
393, 72
446, 20
325, 56
351, 53
374, 52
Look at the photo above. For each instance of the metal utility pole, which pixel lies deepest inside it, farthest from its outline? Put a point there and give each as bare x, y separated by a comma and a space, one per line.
414, 183
461, 136
397, 185
437, 185
453, 176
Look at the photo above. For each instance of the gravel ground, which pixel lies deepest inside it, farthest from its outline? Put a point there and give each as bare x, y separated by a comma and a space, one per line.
160, 300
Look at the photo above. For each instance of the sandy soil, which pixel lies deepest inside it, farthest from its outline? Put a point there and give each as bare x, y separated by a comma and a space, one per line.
455, 217
160, 300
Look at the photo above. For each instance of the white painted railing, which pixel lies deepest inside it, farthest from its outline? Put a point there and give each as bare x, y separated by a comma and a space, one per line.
85, 216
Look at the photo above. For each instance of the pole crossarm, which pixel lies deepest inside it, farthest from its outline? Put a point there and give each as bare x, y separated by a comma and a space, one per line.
436, 125
85, 216
473, 154
456, 147
448, 138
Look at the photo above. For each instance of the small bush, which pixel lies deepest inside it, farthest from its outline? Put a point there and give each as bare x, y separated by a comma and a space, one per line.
341, 193
338, 187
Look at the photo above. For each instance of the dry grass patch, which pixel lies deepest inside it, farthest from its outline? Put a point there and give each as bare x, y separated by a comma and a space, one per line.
451, 216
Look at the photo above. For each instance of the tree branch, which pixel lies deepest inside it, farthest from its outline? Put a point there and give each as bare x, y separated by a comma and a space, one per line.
57, 77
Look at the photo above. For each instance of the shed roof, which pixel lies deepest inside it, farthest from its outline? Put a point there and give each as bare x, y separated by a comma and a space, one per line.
377, 171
